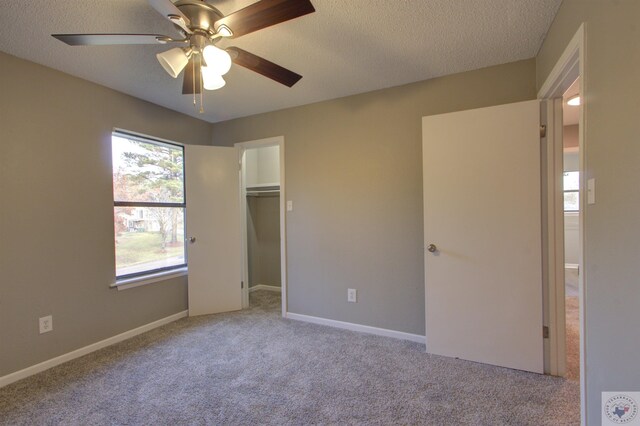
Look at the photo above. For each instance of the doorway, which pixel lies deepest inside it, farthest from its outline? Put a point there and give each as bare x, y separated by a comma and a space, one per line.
571, 207
263, 221
568, 70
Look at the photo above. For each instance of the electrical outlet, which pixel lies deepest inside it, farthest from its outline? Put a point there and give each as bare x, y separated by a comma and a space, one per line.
289, 206
46, 324
352, 295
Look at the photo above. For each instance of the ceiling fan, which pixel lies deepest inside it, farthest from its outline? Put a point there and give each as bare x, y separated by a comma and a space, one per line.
201, 26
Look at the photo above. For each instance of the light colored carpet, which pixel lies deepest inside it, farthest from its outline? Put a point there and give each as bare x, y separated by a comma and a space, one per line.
572, 338
252, 367
571, 282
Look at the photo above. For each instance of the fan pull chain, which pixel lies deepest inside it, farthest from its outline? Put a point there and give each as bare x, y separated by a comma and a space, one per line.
193, 72
201, 88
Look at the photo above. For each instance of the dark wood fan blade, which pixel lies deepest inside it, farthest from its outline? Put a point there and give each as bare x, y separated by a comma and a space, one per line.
107, 39
264, 14
187, 82
264, 67
167, 9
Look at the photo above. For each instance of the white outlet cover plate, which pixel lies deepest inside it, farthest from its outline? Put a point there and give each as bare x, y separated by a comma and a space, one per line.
352, 295
46, 324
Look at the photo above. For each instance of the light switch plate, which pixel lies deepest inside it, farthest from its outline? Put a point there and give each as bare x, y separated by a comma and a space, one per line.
591, 191
289, 206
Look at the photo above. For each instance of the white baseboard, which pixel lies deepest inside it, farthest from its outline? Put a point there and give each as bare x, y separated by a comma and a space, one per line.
265, 287
358, 327
45, 365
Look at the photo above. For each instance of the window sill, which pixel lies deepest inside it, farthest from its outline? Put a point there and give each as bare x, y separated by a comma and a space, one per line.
128, 283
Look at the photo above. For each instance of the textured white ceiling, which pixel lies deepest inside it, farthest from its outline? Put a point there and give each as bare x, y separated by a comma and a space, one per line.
345, 47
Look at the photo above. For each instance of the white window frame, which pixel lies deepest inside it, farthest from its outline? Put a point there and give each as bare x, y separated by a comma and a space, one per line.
156, 275
577, 191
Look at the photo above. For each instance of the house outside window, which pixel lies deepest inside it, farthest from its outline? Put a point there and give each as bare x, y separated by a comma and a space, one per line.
149, 205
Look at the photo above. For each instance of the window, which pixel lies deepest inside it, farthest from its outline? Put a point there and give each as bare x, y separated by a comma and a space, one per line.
148, 205
571, 191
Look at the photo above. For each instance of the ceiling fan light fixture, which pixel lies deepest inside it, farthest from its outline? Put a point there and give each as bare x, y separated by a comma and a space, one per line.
211, 80
218, 60
174, 60
574, 100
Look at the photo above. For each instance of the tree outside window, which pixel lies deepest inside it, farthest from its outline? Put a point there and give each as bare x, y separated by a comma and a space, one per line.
149, 205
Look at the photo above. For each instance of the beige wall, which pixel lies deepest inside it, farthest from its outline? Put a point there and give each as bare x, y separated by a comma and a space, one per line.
263, 240
570, 136
612, 149
262, 166
354, 174
56, 217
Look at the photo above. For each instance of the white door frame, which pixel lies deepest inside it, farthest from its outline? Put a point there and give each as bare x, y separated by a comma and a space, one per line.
241, 147
567, 69
553, 237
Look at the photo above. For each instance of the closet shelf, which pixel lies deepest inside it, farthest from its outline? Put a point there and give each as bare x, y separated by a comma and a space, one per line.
263, 194
263, 190
263, 185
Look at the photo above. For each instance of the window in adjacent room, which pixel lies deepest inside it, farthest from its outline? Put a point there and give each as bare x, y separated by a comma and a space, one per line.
149, 205
571, 194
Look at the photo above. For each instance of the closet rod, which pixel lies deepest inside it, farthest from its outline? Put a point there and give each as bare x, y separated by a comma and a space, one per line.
254, 193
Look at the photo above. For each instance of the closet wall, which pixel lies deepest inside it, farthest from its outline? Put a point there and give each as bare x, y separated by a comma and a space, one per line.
262, 167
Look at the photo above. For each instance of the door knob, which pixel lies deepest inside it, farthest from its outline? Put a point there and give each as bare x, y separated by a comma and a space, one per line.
192, 240
431, 248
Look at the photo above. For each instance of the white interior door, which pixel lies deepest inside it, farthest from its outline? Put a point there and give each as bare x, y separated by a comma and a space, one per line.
213, 228
483, 283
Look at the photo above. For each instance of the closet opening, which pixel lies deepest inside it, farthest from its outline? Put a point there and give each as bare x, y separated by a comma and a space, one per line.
261, 193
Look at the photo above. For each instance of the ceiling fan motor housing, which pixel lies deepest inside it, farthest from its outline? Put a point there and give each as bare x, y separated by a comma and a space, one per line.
201, 14
198, 40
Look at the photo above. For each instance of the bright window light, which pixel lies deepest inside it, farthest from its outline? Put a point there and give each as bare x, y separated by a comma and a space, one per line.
149, 205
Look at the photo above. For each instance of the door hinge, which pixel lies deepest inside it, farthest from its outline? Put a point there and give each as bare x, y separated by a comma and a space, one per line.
543, 131
241, 284
545, 332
